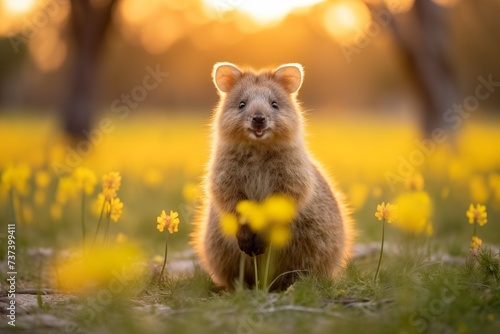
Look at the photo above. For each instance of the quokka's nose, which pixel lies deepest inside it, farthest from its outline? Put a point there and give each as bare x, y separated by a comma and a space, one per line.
258, 119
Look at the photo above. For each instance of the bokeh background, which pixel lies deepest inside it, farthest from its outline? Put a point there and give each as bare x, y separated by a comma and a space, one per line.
125, 86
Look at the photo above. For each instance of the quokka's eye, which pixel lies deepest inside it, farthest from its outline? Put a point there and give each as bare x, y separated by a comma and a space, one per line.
274, 105
242, 105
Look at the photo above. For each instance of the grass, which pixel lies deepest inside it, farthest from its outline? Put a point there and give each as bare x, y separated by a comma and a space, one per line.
413, 295
425, 284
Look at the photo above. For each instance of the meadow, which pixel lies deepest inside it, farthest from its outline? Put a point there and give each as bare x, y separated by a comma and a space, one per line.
432, 279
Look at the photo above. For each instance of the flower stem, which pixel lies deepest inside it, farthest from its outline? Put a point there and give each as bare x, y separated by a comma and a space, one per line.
266, 272
99, 223
475, 229
107, 227
256, 273
83, 222
12, 208
164, 258
381, 251
242, 269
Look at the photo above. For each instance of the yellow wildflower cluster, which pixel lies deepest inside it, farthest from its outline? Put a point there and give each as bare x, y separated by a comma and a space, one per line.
271, 217
16, 178
386, 212
477, 214
414, 212
476, 242
42, 181
107, 201
171, 222
111, 182
84, 179
100, 268
478, 217
69, 187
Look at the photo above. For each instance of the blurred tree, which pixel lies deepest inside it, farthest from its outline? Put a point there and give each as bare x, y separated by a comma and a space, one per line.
89, 21
424, 42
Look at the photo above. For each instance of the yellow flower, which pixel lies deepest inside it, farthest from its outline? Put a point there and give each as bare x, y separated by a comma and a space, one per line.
229, 224
116, 209
279, 235
108, 193
16, 178
476, 242
85, 179
169, 221
386, 212
477, 214
66, 189
279, 209
252, 213
100, 267
414, 212
42, 179
111, 182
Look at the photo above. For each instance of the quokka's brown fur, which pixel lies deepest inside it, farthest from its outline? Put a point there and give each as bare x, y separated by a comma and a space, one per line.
252, 160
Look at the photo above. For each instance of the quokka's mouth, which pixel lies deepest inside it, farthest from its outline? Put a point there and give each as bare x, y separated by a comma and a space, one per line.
259, 133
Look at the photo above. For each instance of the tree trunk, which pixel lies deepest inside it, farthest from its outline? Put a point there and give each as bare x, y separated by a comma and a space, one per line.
89, 22
424, 46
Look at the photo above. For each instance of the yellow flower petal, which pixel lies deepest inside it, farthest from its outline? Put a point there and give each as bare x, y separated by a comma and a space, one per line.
173, 214
170, 222
386, 212
42, 179
476, 242
279, 209
116, 209
229, 225
477, 214
252, 213
279, 235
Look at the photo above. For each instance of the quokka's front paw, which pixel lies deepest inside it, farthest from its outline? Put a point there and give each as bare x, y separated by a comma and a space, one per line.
250, 242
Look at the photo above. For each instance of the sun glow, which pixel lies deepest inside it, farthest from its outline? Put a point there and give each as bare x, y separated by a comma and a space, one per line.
18, 6
344, 20
261, 11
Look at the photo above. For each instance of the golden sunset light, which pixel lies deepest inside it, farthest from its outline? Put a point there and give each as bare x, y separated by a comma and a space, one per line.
262, 11
250, 166
345, 19
17, 7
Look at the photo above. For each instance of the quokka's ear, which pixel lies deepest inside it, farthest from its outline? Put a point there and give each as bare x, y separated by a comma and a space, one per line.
225, 76
290, 76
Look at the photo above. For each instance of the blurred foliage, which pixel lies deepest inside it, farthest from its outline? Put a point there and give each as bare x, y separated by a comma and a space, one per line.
162, 162
185, 38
